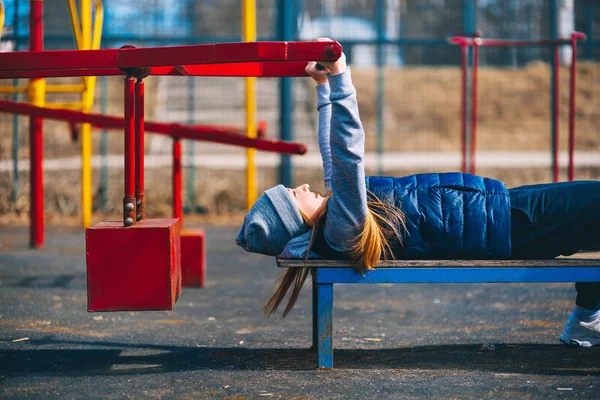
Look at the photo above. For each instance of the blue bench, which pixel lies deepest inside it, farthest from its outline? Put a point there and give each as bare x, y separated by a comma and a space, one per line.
327, 272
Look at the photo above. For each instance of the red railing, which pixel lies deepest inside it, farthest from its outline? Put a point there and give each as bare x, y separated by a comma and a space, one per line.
468, 155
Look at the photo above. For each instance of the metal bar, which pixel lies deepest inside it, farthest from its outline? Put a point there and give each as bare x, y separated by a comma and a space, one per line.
139, 151
170, 55
249, 35
464, 110
15, 136
286, 31
85, 43
129, 212
571, 173
555, 113
208, 133
75, 24
191, 148
572, 98
474, 73
459, 275
324, 317
104, 147
98, 22
36, 97
508, 42
176, 185
258, 69
380, 99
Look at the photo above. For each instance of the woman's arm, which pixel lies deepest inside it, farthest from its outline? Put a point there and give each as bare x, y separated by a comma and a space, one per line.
324, 107
348, 204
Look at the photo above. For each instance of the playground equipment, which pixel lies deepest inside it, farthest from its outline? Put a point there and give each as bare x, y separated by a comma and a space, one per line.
469, 150
134, 264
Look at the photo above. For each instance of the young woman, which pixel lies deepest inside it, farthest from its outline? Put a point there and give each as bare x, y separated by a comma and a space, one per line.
425, 216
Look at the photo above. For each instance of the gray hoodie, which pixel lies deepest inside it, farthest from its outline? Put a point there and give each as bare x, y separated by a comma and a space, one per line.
342, 147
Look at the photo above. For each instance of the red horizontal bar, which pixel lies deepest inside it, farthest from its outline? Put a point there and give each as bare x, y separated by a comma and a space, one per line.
461, 40
206, 133
58, 59
166, 56
256, 69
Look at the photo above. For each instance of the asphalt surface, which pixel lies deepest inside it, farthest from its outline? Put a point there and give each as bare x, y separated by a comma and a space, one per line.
391, 341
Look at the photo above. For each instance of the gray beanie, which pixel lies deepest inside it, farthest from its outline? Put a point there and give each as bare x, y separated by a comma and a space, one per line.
271, 223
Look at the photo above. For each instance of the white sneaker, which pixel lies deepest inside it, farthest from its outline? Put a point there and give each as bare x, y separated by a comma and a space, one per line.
581, 334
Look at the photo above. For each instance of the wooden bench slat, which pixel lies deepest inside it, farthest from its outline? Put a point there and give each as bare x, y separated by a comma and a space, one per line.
553, 263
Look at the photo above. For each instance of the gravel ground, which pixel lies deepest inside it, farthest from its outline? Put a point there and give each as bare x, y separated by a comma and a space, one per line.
391, 341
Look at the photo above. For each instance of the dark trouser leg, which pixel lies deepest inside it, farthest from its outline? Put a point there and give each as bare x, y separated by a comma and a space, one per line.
558, 219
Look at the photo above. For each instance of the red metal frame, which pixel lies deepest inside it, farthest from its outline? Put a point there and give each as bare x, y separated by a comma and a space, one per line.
201, 133
572, 91
176, 187
463, 42
139, 150
556, 116
129, 145
178, 59
36, 144
253, 69
464, 67
474, 104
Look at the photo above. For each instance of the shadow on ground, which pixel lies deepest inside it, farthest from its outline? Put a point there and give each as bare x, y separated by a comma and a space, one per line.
124, 359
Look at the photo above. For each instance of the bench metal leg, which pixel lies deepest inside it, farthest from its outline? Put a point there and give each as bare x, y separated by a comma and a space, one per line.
323, 323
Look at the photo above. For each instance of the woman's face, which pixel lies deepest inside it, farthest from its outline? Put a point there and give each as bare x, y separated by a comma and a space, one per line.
308, 202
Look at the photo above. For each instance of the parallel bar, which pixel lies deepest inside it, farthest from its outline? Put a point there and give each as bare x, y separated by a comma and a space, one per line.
464, 111
257, 69
36, 146
129, 215
139, 151
206, 133
508, 42
474, 74
459, 275
555, 114
572, 94
176, 186
170, 55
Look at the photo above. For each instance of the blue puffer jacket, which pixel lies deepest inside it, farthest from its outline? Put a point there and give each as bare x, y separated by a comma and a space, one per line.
449, 215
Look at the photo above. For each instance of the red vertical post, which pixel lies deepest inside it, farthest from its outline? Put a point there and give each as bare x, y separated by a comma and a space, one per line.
474, 72
129, 201
36, 174
556, 114
572, 107
177, 207
463, 49
139, 151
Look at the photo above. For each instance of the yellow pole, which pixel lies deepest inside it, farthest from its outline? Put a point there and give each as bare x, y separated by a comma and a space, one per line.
249, 35
85, 7
1, 17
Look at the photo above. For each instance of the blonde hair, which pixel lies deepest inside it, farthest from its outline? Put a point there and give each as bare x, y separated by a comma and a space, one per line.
371, 245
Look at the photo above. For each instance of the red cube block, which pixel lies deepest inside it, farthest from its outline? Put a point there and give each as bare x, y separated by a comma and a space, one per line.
136, 268
193, 257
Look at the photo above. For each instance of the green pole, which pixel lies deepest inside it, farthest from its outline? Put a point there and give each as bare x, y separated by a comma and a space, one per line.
15, 97
104, 147
191, 145
380, 102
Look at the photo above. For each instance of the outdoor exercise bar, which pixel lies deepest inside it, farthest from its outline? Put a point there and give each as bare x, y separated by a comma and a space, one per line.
203, 133
464, 42
176, 60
